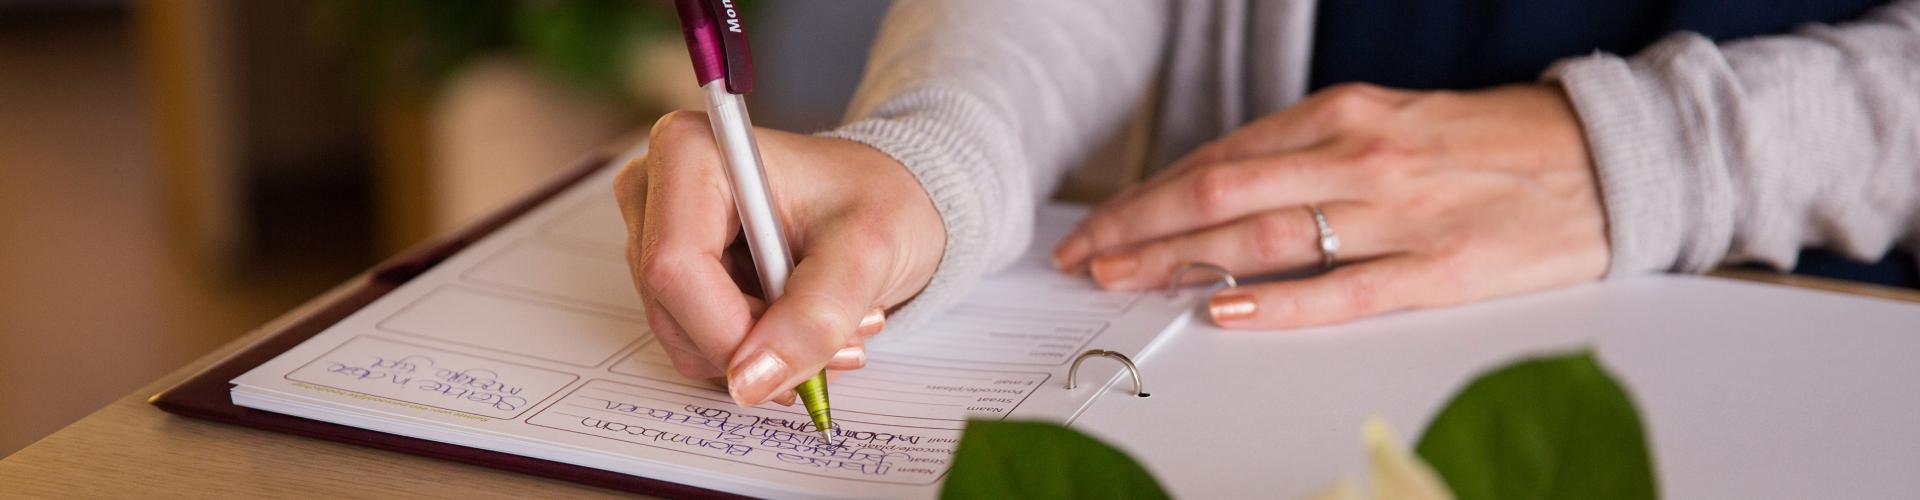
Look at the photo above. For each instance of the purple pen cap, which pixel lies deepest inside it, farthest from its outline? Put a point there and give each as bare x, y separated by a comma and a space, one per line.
718, 43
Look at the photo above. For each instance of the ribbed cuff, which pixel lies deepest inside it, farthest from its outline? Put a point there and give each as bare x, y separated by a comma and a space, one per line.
939, 146
1664, 204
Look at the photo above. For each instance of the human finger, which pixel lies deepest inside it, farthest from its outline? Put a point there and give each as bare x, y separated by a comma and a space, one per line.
1314, 120
687, 224
1278, 240
1346, 293
831, 290
854, 355
686, 359
1207, 196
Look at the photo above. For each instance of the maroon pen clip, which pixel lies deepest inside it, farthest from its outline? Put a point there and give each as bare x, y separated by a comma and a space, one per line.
717, 42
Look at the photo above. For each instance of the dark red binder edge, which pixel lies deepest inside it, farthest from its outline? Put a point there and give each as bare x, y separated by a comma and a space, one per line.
205, 395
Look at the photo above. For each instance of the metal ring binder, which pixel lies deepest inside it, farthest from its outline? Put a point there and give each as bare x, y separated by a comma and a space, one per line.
1074, 371
1173, 285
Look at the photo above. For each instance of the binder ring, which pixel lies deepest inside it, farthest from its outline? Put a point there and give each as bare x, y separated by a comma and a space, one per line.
1073, 372
1173, 285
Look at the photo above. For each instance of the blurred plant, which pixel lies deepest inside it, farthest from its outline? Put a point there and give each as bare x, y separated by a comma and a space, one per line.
1554, 427
409, 46
1042, 460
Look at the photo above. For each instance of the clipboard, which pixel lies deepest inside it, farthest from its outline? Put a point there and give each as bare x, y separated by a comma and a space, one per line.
206, 395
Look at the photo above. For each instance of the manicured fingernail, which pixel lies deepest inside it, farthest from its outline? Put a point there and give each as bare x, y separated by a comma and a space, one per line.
851, 357
1232, 307
753, 381
1111, 268
872, 323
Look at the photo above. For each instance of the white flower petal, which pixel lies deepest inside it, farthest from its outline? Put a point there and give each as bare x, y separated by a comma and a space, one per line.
1397, 474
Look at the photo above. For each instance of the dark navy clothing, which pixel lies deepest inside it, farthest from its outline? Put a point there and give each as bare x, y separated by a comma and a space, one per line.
1467, 44
1464, 44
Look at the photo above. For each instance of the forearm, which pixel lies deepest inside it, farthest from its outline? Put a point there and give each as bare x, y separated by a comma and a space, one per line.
1751, 150
988, 102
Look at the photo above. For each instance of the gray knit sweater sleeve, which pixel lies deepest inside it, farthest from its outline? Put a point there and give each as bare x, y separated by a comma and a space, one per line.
988, 102
1751, 150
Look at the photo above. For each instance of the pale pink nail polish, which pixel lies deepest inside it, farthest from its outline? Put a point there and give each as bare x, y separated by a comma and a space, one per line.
872, 323
851, 356
754, 380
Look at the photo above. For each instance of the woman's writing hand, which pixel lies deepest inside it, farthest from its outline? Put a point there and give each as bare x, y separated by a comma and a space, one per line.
1438, 198
864, 236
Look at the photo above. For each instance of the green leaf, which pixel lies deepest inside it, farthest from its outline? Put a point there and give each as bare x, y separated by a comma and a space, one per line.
1557, 427
1042, 460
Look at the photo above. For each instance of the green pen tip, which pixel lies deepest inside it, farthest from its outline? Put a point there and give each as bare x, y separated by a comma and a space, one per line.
813, 393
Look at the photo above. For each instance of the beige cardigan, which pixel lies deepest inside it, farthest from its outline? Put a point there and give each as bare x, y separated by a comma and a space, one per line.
1705, 153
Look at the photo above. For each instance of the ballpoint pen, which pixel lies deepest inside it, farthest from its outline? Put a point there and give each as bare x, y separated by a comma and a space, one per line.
724, 67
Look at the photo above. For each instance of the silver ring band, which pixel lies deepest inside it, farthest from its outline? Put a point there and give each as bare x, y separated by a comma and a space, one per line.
1329, 242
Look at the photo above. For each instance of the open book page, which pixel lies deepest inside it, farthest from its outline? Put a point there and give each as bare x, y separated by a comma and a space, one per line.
532, 341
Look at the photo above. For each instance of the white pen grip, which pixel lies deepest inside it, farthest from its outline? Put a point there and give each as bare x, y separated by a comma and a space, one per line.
752, 197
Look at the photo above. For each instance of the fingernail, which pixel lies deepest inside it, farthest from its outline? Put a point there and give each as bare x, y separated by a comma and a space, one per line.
850, 357
872, 323
785, 399
753, 381
1231, 307
1110, 268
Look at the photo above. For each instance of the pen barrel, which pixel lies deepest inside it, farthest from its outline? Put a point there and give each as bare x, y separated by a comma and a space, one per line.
753, 198
760, 221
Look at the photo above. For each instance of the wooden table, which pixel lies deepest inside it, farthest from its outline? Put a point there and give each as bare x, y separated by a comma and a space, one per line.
132, 449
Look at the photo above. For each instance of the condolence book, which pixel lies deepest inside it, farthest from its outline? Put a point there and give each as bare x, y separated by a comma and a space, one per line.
530, 341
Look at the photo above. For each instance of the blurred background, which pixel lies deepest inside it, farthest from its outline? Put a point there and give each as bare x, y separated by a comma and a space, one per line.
173, 173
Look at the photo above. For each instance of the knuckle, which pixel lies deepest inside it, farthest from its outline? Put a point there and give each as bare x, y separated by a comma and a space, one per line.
1362, 294
824, 320
636, 260
658, 271
1284, 308
630, 189
1103, 231
1272, 236
1345, 92
629, 186
868, 232
1214, 189
678, 126
1348, 104
1377, 154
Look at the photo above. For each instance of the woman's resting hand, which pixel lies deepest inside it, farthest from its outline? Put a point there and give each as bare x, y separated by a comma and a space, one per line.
1438, 198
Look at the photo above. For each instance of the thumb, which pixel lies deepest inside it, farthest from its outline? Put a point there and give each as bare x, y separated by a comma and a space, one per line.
829, 294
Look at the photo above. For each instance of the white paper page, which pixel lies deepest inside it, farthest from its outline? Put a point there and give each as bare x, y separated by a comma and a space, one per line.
532, 341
